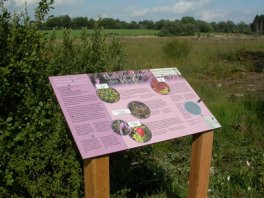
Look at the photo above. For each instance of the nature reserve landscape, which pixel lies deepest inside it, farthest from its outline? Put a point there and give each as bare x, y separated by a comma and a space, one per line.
224, 66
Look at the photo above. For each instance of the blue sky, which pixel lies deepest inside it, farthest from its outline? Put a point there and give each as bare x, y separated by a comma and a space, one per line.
128, 10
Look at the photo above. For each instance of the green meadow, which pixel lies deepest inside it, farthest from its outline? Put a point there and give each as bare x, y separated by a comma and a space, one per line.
226, 70
109, 32
39, 158
227, 73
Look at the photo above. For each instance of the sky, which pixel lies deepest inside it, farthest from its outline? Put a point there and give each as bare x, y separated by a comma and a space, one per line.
137, 10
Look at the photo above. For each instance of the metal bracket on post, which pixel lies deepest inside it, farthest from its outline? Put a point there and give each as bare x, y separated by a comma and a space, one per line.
96, 177
202, 146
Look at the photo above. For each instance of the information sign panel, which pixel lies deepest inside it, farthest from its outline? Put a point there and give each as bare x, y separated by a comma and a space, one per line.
110, 112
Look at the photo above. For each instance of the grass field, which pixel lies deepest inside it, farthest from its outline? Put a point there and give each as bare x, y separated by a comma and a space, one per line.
226, 78
109, 32
227, 73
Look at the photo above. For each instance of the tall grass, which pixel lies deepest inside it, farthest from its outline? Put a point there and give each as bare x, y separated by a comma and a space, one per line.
215, 69
237, 162
205, 52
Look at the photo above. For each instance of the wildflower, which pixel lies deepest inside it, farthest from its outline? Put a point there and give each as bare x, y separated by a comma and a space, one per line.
248, 163
228, 178
140, 131
212, 170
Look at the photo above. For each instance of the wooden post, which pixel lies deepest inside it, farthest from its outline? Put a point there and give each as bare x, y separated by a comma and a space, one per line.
96, 177
200, 164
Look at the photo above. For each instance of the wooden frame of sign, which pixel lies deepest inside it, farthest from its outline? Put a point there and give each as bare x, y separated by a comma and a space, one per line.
96, 170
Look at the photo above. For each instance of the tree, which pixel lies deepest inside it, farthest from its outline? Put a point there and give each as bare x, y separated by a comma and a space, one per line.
243, 28
146, 24
159, 24
203, 26
261, 24
226, 26
214, 25
52, 22
63, 21
255, 24
133, 25
91, 23
108, 23
188, 19
79, 22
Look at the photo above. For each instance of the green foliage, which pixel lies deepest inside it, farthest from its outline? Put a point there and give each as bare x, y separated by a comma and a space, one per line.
218, 68
38, 158
178, 28
91, 53
177, 48
257, 25
186, 26
35, 162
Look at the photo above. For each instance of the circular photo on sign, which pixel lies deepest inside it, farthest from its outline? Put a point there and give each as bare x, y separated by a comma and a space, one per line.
141, 133
109, 95
139, 109
121, 127
192, 108
160, 87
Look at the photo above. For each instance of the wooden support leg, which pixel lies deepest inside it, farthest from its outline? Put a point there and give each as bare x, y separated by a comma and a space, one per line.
96, 177
200, 164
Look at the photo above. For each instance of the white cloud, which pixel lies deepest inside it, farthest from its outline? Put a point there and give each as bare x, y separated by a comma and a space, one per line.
179, 7
22, 2
30, 2
67, 2
214, 15
139, 13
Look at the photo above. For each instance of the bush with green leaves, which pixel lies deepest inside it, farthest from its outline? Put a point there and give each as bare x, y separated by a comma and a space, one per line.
38, 157
177, 48
89, 54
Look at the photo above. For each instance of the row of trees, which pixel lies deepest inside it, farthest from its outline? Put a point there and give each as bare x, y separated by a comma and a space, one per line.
185, 26
258, 25
66, 21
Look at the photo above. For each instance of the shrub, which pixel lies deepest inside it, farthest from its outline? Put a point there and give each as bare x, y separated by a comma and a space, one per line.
89, 54
37, 156
37, 159
177, 48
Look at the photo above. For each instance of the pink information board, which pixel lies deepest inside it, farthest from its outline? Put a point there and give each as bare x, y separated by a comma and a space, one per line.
110, 112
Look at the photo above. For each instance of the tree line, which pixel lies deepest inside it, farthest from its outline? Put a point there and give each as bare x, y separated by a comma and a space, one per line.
258, 25
185, 26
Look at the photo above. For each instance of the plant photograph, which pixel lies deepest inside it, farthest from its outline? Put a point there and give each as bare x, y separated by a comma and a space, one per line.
160, 87
121, 127
109, 95
139, 109
141, 133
